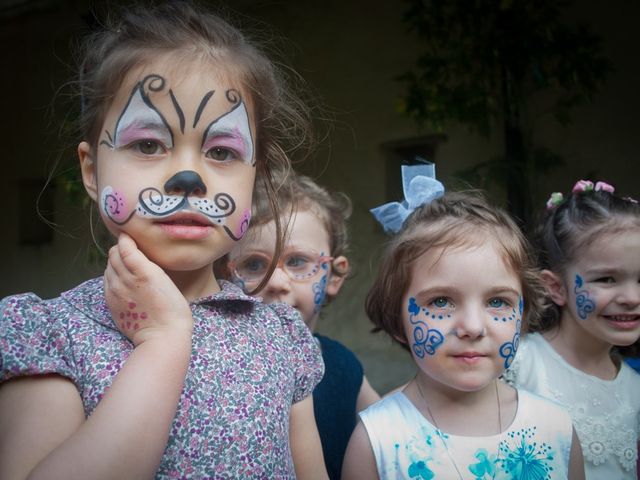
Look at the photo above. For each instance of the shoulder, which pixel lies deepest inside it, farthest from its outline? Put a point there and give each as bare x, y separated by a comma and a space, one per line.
333, 348
543, 408
386, 409
630, 377
35, 334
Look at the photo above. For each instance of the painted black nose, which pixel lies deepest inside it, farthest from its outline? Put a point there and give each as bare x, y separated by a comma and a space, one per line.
186, 182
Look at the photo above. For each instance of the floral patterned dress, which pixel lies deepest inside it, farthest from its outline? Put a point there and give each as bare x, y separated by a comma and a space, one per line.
536, 446
250, 362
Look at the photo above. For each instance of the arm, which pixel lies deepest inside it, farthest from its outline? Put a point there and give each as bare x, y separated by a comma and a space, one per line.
126, 434
36, 415
359, 461
576, 462
306, 448
367, 395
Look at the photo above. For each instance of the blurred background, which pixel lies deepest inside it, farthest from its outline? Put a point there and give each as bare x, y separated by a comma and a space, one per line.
521, 98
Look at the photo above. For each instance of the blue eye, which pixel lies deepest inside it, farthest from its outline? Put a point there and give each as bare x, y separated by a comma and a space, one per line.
441, 302
297, 262
498, 303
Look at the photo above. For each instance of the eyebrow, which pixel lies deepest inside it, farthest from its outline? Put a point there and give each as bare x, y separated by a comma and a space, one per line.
442, 290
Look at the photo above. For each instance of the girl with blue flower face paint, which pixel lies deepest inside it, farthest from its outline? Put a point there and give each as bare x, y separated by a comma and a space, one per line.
589, 246
456, 287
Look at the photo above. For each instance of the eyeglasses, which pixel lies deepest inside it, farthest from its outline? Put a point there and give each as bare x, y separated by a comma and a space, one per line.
298, 265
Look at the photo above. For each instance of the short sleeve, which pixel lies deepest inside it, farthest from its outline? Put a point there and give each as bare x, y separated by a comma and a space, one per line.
305, 355
33, 340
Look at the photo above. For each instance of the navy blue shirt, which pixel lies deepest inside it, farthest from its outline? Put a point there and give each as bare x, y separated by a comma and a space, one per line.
334, 401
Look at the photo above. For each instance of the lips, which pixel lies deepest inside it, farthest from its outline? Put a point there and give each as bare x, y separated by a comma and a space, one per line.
623, 321
469, 357
186, 219
186, 226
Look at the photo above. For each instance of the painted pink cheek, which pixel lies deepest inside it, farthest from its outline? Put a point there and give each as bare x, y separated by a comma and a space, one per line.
115, 206
244, 223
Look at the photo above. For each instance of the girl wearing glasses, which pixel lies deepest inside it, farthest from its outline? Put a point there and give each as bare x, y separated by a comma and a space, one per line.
310, 271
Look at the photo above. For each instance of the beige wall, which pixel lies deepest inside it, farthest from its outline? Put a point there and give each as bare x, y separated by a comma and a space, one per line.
350, 52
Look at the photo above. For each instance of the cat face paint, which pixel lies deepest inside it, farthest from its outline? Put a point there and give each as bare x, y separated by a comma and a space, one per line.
453, 316
176, 161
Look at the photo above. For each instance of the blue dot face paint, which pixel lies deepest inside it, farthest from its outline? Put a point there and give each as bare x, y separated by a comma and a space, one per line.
584, 304
426, 339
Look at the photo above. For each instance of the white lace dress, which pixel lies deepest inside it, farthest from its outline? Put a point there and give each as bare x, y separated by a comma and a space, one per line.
605, 413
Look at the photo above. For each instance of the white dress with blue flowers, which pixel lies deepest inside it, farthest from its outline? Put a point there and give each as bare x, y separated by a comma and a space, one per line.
536, 446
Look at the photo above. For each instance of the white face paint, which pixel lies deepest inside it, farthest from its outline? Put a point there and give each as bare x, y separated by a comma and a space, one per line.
140, 121
231, 131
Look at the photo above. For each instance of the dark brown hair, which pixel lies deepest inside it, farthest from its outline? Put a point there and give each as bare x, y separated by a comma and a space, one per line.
564, 229
454, 220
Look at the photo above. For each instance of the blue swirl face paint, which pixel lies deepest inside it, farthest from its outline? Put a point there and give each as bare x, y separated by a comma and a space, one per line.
426, 340
508, 349
584, 304
320, 288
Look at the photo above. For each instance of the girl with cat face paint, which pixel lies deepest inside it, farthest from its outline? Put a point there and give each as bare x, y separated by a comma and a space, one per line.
158, 368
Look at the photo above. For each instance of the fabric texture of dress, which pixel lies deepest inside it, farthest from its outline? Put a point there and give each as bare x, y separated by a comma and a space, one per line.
536, 446
605, 413
334, 401
249, 363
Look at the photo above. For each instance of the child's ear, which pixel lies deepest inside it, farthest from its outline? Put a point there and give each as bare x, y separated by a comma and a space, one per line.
555, 287
340, 268
88, 169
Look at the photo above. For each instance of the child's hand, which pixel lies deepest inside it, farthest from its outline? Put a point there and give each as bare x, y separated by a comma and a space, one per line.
143, 300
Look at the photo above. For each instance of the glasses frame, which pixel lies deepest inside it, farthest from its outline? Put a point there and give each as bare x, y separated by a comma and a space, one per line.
317, 265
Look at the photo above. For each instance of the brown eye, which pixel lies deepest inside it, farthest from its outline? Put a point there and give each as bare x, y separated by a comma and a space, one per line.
149, 147
220, 154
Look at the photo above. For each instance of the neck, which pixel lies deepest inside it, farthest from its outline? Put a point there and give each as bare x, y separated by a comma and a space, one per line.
582, 350
476, 413
195, 284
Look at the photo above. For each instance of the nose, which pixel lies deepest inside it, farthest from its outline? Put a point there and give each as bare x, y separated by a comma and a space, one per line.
186, 182
629, 294
470, 323
278, 285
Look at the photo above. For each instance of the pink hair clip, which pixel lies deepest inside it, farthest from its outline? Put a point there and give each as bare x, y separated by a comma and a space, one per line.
582, 186
604, 187
555, 199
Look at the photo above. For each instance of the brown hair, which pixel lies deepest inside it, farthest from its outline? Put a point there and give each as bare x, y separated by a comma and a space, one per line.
453, 220
182, 28
564, 229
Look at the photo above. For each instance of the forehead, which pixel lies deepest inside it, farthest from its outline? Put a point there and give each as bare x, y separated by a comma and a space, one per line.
192, 83
618, 248
305, 231
469, 264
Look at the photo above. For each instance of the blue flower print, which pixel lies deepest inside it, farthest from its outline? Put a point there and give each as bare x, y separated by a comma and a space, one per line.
526, 458
486, 465
414, 308
420, 469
